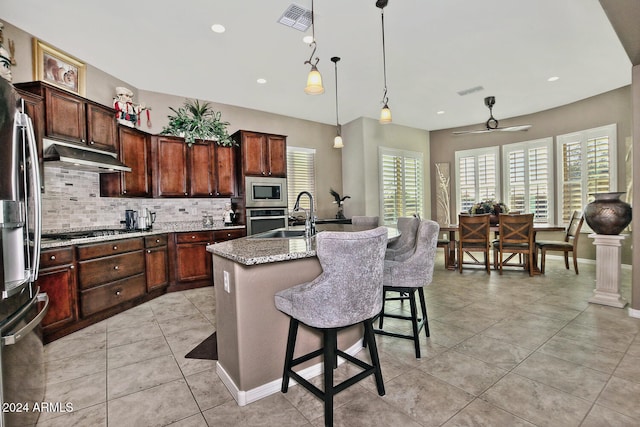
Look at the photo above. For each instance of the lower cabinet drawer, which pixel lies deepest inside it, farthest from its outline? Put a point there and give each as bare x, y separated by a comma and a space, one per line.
107, 269
111, 294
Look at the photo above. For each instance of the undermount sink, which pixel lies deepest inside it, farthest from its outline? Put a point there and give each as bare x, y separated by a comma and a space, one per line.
280, 234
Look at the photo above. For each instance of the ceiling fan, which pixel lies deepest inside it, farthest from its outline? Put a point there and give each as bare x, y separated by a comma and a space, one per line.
492, 123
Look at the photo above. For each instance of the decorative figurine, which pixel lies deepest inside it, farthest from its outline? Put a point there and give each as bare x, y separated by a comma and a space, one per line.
340, 202
127, 112
228, 216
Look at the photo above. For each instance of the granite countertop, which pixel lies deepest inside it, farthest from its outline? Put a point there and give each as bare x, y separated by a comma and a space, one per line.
159, 228
252, 251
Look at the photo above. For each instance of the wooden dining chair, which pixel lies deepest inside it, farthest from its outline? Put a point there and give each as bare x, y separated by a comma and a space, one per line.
473, 236
515, 238
569, 244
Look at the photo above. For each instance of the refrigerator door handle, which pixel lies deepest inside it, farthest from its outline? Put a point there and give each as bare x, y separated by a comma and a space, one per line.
27, 126
18, 335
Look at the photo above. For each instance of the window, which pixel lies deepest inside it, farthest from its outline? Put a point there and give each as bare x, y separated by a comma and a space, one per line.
301, 175
402, 184
586, 164
529, 178
478, 177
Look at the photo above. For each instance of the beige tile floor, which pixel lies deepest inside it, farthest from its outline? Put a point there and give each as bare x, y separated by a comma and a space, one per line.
504, 350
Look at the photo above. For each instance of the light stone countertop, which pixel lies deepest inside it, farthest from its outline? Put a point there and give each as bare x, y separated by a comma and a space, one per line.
252, 251
158, 228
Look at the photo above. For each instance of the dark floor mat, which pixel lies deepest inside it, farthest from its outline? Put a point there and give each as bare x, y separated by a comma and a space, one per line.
207, 349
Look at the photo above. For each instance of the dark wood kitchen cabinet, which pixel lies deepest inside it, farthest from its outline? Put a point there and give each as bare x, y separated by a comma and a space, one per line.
191, 264
202, 170
134, 152
110, 274
34, 107
57, 277
156, 259
262, 154
75, 119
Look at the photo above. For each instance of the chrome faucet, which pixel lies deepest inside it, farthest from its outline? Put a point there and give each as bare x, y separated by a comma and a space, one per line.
310, 222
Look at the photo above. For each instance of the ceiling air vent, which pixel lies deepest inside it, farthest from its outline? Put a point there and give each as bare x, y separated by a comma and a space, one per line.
470, 90
296, 17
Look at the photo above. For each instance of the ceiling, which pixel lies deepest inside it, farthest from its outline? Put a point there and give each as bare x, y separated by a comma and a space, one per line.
434, 49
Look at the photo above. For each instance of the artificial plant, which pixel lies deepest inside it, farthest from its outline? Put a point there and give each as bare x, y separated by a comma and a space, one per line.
196, 120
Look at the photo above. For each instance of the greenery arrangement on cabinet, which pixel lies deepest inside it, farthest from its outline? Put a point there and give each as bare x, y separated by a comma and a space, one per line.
196, 120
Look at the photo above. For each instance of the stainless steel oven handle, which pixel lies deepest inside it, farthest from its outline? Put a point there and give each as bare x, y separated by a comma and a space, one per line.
18, 335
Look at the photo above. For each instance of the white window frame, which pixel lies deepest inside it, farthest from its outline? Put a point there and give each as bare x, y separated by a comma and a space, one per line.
294, 188
609, 131
404, 154
475, 153
525, 146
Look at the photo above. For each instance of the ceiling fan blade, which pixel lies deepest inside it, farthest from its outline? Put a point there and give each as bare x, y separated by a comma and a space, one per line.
467, 132
514, 128
504, 129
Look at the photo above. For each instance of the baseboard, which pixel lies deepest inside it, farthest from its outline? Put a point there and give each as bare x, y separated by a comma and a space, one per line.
584, 261
634, 313
243, 397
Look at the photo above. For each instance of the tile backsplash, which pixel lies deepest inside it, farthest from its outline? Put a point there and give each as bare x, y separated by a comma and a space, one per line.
72, 200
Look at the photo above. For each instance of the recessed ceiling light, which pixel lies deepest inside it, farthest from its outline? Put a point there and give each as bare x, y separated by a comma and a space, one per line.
553, 79
261, 81
307, 39
440, 112
218, 28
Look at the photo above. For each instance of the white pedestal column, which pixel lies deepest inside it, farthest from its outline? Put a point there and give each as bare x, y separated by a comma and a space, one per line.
608, 270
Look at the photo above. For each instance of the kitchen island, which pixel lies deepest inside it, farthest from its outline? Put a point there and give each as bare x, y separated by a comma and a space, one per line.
251, 332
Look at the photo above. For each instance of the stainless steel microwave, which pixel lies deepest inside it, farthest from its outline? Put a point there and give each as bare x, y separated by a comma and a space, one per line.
265, 192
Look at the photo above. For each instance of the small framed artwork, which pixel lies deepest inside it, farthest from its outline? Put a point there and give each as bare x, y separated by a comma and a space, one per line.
57, 68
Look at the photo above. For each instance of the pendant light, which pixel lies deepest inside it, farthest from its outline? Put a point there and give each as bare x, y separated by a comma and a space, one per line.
314, 79
337, 141
385, 113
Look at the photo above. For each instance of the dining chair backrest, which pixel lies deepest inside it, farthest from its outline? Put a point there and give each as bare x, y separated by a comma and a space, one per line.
474, 228
515, 229
575, 224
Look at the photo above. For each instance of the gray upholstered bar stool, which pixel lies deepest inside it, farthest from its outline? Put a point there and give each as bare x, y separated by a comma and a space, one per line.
365, 221
409, 275
407, 226
346, 293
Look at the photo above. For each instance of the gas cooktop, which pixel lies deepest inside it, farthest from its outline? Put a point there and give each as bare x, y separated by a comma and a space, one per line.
68, 235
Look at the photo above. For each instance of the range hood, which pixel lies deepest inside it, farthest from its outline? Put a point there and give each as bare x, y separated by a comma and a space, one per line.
71, 156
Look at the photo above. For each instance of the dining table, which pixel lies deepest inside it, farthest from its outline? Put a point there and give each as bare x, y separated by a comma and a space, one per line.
452, 229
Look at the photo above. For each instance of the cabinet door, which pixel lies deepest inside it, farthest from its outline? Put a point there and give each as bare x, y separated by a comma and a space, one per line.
157, 267
35, 110
60, 284
277, 156
101, 128
66, 117
193, 262
171, 167
225, 171
134, 152
254, 151
200, 170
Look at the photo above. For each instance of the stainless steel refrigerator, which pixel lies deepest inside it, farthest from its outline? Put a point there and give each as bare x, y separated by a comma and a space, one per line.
22, 307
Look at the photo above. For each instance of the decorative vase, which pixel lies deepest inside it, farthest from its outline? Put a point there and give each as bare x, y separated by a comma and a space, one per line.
607, 214
493, 219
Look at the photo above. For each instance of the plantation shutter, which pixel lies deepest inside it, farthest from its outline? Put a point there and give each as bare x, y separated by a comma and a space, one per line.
301, 175
587, 166
477, 176
539, 184
401, 184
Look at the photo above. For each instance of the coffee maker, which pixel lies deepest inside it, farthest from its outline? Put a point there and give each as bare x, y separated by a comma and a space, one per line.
131, 219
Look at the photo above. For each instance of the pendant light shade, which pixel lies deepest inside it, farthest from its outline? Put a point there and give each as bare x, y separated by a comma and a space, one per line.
385, 113
337, 141
314, 79
314, 82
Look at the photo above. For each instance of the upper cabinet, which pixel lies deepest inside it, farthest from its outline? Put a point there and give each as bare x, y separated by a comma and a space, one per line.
135, 153
75, 119
202, 170
262, 154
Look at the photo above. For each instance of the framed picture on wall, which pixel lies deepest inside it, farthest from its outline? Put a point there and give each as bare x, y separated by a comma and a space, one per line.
57, 68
